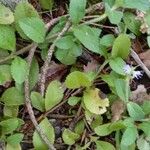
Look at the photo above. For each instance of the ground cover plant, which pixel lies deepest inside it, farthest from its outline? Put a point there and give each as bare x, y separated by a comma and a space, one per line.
74, 75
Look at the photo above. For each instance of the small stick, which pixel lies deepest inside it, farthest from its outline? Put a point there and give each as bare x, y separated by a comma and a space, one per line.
28, 103
140, 63
48, 59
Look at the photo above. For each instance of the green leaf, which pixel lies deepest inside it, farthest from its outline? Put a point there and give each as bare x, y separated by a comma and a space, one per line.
77, 79
54, 94
102, 145
24, 10
89, 37
15, 138
33, 28
7, 38
11, 111
143, 144
69, 137
131, 23
72, 101
103, 130
79, 128
117, 64
107, 40
142, 5
146, 107
19, 70
33, 73
48, 130
68, 56
115, 126
113, 15
77, 10
6, 15
94, 103
129, 136
135, 111
13, 147
12, 97
46, 4
9, 125
122, 89
5, 74
145, 127
65, 42
148, 40
37, 101
121, 46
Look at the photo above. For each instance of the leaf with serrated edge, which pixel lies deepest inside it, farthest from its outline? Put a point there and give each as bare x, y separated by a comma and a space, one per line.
54, 94
19, 70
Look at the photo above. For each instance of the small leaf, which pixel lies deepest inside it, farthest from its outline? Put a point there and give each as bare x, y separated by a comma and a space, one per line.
146, 107
69, 137
77, 10
7, 38
117, 64
19, 70
54, 94
94, 103
68, 56
72, 101
33, 28
79, 128
6, 15
33, 73
13, 147
65, 42
89, 37
121, 46
107, 40
103, 130
9, 125
132, 24
135, 111
145, 127
11, 111
122, 89
5, 74
37, 101
148, 40
46, 4
143, 144
12, 97
15, 139
129, 136
77, 79
23, 10
142, 5
48, 130
102, 145
113, 15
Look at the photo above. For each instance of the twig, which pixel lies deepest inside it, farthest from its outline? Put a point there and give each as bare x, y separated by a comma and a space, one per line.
28, 102
21, 51
140, 63
48, 59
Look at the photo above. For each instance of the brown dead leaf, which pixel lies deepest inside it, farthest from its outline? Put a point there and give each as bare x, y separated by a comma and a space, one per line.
117, 109
145, 57
140, 94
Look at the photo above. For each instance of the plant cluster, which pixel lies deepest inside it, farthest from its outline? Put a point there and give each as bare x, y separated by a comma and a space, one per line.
103, 120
